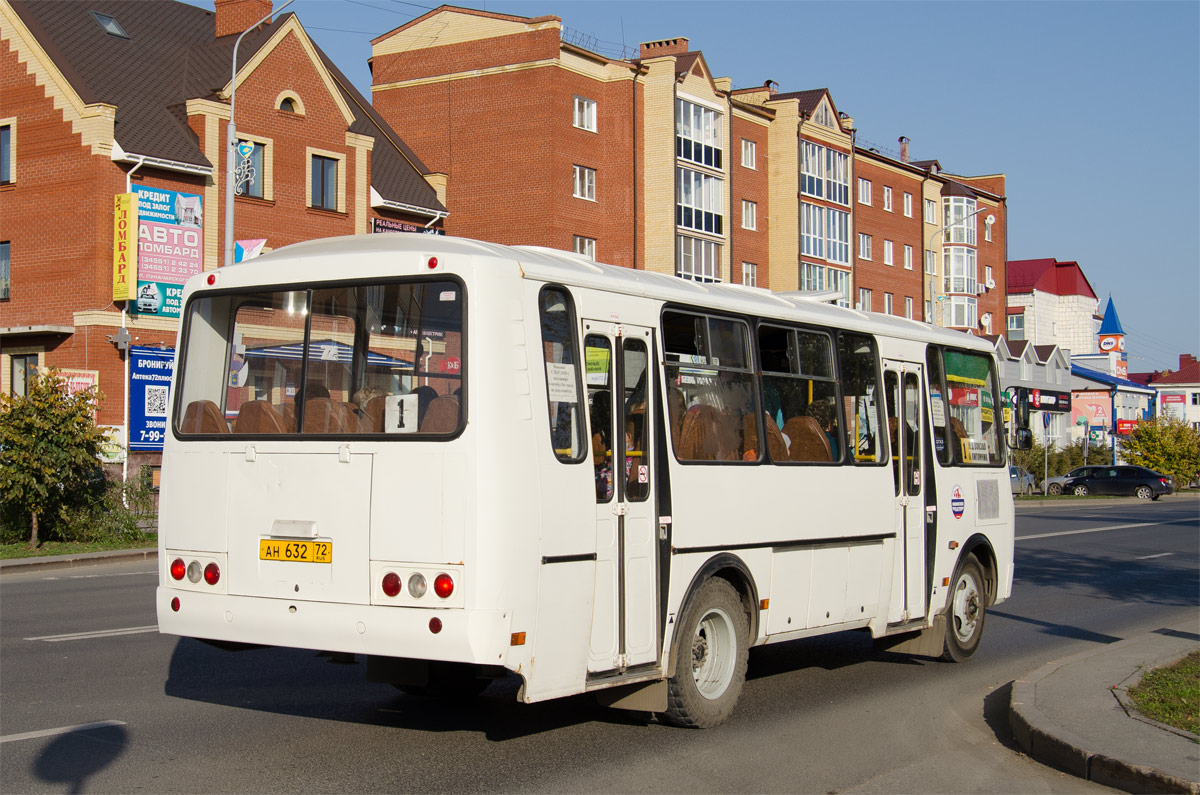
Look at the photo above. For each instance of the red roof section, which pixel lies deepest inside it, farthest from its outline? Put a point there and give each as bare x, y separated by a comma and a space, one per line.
1048, 276
1188, 372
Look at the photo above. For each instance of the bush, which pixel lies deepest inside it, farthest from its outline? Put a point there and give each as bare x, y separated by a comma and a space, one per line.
1168, 445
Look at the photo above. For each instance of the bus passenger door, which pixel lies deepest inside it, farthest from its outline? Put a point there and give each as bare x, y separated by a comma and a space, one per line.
903, 384
621, 413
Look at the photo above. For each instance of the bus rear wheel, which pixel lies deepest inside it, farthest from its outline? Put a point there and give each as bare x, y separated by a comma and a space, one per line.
965, 614
710, 663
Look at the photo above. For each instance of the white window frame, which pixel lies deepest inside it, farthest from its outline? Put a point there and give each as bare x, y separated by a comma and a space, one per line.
584, 116
958, 229
907, 204
888, 303
697, 259
812, 230
585, 183
864, 245
823, 277
887, 253
749, 274
699, 202
825, 173
749, 154
11, 154
987, 231
701, 126
908, 262
749, 215
887, 198
961, 270
964, 311
930, 211
837, 236
930, 262
864, 299
864, 191
908, 307
585, 246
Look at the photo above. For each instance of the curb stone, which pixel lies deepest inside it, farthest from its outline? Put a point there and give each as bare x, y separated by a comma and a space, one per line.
17, 565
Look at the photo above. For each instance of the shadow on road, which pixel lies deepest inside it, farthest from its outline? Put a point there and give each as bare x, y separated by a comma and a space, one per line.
75, 757
1156, 581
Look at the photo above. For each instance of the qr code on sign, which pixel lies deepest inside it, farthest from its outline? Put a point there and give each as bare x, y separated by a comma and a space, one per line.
156, 401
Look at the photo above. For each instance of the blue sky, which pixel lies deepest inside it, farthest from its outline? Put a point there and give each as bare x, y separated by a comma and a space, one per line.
1091, 109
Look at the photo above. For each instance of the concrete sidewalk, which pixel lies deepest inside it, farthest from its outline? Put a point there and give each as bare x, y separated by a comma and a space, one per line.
1074, 715
17, 565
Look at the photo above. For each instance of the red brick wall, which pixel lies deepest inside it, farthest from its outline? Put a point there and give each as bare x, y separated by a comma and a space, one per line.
750, 184
882, 225
466, 56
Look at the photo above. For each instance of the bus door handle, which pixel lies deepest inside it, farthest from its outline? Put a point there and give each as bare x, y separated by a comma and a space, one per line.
620, 508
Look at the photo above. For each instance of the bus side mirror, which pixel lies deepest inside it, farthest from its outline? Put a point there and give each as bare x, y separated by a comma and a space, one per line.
1024, 440
1023, 410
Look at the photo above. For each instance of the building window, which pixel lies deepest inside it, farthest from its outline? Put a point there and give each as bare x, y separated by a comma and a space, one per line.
820, 277
697, 134
964, 311
585, 246
987, 232
585, 114
930, 211
7, 152
5, 269
825, 173
960, 270
252, 175
864, 299
988, 281
324, 183
958, 228
1196, 398
838, 235
930, 262
929, 312
585, 183
699, 201
749, 153
110, 25
749, 274
24, 369
864, 246
864, 191
699, 260
887, 199
887, 303
908, 307
908, 258
287, 105
908, 205
1016, 326
887, 253
749, 214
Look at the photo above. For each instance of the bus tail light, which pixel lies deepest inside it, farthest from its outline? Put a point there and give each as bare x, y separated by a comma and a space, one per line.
443, 585
417, 585
435, 625
391, 583
212, 574
175, 604
178, 569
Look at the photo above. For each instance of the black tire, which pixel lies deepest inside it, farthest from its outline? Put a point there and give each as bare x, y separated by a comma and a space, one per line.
449, 681
1144, 493
1054, 488
1081, 490
710, 661
965, 612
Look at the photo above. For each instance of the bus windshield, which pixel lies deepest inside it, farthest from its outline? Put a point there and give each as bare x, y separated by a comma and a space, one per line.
382, 358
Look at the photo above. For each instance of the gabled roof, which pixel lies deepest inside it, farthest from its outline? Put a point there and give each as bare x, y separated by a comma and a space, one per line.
808, 100
1189, 373
170, 57
1049, 276
1112, 323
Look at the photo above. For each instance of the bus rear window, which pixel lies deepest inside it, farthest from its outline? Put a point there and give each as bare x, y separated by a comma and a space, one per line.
376, 359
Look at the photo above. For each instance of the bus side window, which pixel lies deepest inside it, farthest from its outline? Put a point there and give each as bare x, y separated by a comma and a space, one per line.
799, 395
943, 441
971, 405
858, 366
564, 398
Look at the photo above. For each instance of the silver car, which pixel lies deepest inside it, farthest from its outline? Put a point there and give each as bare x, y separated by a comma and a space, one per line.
1022, 482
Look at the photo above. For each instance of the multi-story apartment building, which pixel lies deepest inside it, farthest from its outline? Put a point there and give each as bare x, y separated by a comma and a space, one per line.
109, 98
650, 161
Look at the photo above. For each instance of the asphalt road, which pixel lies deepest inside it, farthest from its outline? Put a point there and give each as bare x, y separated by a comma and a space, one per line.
822, 715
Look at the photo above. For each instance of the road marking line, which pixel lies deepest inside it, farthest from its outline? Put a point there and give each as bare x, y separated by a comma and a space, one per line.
1159, 555
100, 633
1088, 530
8, 738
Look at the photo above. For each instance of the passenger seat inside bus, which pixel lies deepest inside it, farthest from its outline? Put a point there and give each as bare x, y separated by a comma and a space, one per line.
259, 416
809, 442
441, 416
203, 416
323, 415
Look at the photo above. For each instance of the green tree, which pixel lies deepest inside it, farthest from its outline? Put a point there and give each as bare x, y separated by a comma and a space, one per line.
48, 449
1167, 445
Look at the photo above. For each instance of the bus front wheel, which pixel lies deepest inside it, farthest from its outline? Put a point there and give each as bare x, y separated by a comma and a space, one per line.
964, 618
710, 663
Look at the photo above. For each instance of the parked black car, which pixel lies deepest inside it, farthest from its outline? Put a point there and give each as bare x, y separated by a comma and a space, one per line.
1121, 480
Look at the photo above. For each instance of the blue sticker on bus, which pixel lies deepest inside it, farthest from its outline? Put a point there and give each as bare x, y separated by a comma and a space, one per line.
957, 503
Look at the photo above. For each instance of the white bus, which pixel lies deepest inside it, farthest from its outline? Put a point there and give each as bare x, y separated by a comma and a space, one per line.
459, 459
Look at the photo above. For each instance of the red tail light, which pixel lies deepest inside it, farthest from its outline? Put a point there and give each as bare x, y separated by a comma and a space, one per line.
391, 583
212, 573
443, 585
175, 604
435, 625
178, 569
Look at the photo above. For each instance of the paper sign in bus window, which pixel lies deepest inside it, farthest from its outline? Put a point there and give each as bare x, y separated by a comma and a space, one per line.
561, 382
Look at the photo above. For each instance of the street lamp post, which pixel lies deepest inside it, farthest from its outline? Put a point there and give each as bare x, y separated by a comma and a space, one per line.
231, 139
991, 219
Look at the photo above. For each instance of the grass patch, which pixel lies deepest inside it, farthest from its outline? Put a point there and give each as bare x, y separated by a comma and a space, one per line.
1171, 695
47, 548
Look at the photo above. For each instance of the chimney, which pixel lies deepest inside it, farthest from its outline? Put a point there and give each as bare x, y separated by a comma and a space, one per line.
653, 49
234, 16
1186, 359
903, 139
772, 87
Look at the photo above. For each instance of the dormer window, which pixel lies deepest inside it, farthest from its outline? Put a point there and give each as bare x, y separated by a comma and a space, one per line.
111, 26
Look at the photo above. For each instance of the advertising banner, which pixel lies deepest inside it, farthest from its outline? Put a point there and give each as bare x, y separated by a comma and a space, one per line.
1125, 427
170, 248
1095, 407
125, 253
389, 225
149, 396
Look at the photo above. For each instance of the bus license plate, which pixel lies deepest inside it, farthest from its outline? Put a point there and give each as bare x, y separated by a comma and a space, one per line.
290, 551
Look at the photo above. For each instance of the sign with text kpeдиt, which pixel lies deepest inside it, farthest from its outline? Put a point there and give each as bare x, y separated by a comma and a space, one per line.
170, 248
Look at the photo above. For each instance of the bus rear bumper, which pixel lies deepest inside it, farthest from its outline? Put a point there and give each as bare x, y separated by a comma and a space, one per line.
470, 636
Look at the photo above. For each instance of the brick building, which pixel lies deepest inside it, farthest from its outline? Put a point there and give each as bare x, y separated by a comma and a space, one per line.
650, 161
114, 96
1052, 303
